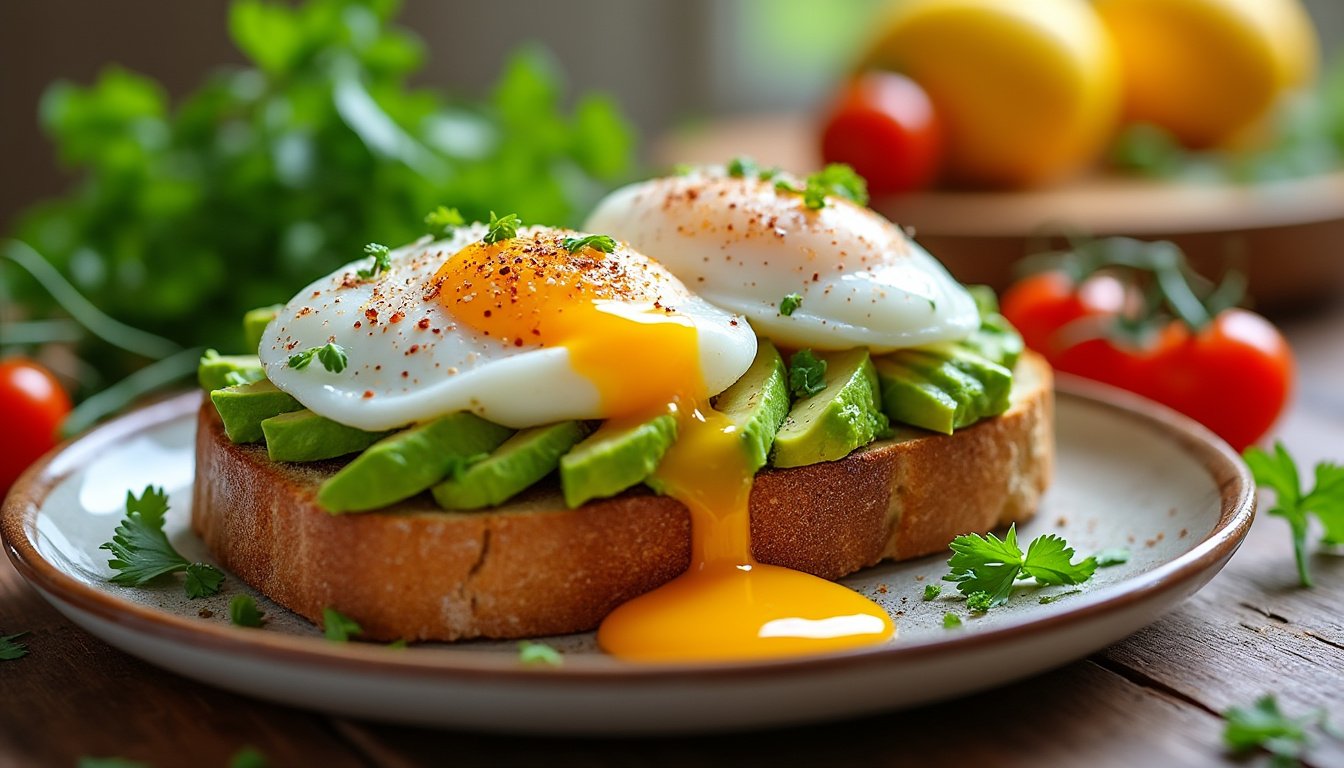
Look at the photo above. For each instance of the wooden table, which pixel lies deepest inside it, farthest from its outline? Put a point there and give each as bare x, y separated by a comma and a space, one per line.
1152, 699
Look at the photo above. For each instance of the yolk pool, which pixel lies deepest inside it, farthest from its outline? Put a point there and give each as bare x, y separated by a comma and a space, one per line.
726, 606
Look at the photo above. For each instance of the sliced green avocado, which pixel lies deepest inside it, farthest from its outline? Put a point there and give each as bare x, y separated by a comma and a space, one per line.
996, 338
305, 436
943, 387
243, 407
615, 457
408, 462
215, 369
838, 419
255, 322
519, 462
758, 403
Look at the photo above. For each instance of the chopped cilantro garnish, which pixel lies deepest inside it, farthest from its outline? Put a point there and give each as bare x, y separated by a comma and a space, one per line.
530, 652
10, 649
836, 179
502, 228
807, 373
1264, 726
789, 303
382, 260
991, 566
243, 611
1278, 472
141, 551
332, 357
979, 602
1048, 599
932, 591
441, 220
337, 627
603, 243
1114, 556
951, 620
740, 167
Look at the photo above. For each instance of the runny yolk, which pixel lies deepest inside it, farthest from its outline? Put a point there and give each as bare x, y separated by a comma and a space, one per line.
530, 291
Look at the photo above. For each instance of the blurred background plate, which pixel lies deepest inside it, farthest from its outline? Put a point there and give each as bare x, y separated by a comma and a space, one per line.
1285, 236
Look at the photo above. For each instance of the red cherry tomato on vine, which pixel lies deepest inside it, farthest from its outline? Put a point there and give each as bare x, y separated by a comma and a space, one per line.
884, 125
33, 406
1234, 375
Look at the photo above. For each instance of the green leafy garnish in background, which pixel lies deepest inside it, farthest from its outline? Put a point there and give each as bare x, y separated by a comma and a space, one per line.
1264, 726
11, 649
141, 551
243, 612
443, 219
1277, 472
268, 176
531, 652
337, 627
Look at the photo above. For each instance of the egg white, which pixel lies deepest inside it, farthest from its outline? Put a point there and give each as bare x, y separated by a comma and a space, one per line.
744, 246
411, 361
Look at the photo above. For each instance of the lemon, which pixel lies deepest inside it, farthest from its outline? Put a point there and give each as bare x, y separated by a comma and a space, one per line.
1028, 90
1209, 70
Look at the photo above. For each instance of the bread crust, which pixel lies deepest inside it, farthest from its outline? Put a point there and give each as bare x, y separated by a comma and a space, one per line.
533, 567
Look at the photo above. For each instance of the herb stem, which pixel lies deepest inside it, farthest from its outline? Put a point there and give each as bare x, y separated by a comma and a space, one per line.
113, 331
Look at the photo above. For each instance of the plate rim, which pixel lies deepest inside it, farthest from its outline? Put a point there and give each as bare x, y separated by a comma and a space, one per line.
1236, 491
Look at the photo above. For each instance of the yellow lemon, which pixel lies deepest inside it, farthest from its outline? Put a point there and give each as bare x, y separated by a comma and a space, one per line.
1028, 90
1209, 70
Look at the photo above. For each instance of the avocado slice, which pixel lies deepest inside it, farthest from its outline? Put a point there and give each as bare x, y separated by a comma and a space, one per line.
758, 403
243, 407
618, 455
305, 436
519, 462
255, 322
943, 387
408, 462
838, 419
215, 369
996, 340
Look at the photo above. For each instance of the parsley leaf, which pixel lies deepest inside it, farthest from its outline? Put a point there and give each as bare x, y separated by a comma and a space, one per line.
441, 220
740, 167
840, 180
951, 620
1048, 561
807, 373
382, 261
603, 243
11, 650
141, 551
1263, 725
332, 356
502, 228
337, 627
530, 652
1279, 473
932, 591
789, 303
990, 566
243, 611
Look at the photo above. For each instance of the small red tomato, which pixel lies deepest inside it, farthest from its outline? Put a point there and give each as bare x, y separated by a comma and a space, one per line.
1043, 304
1234, 376
884, 125
33, 405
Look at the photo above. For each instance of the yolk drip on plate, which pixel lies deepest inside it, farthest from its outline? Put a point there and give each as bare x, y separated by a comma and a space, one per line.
726, 606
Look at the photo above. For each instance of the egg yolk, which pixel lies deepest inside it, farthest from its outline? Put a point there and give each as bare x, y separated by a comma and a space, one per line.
530, 291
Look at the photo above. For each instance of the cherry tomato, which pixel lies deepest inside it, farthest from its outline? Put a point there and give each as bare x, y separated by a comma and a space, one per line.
884, 125
33, 405
1233, 376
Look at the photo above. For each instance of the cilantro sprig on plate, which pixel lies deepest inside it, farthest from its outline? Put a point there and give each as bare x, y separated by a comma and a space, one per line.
142, 553
1278, 472
985, 568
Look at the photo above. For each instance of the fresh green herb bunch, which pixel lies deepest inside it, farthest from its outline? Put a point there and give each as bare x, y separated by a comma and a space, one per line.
269, 176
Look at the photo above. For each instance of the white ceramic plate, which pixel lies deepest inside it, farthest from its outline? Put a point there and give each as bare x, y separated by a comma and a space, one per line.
1129, 475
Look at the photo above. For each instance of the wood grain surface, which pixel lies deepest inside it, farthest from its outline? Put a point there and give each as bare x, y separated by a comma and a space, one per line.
1151, 700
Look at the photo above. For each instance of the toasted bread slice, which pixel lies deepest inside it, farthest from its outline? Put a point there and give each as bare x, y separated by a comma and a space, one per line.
534, 567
